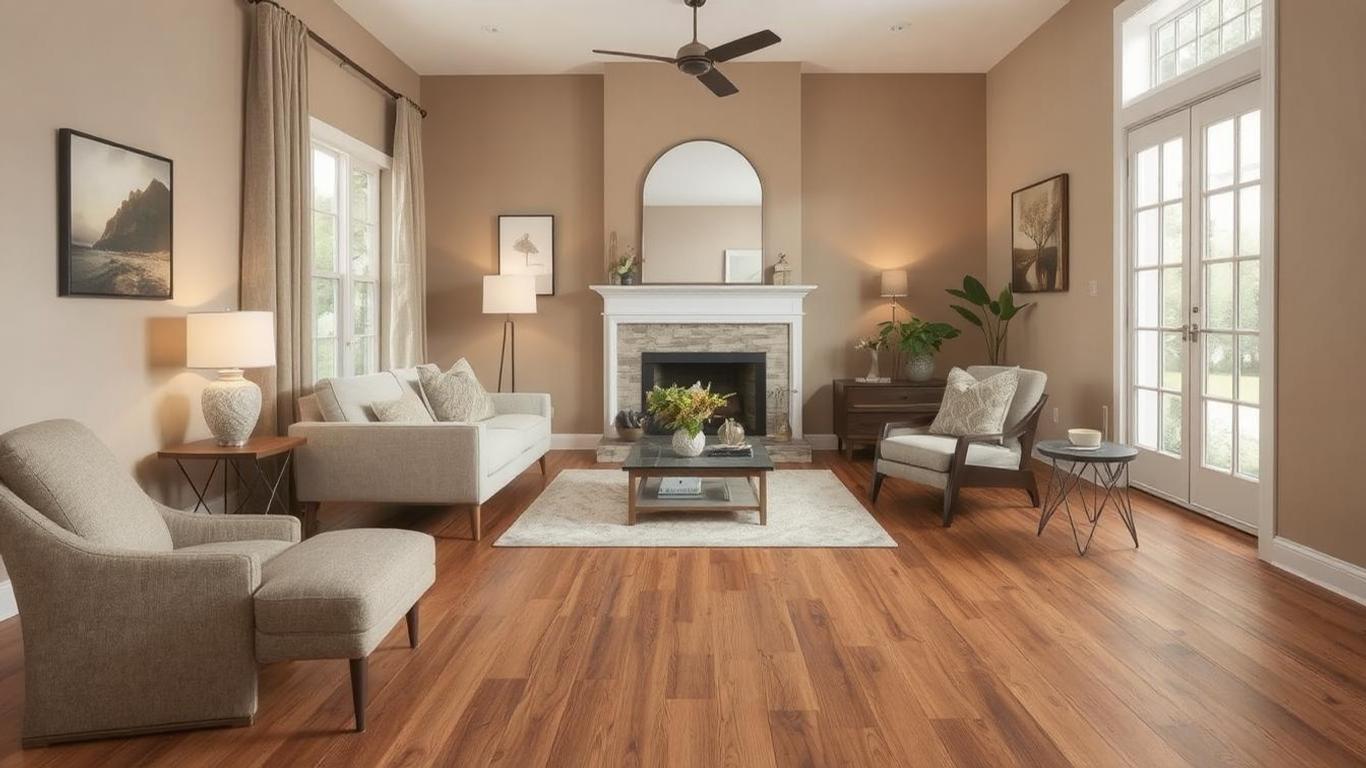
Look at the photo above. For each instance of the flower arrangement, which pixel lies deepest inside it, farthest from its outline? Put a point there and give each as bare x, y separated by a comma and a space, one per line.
872, 343
684, 408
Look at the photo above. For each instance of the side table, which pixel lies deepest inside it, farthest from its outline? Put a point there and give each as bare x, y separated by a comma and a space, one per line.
256, 450
1108, 465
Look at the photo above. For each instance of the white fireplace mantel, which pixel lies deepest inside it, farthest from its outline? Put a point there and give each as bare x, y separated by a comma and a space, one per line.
758, 304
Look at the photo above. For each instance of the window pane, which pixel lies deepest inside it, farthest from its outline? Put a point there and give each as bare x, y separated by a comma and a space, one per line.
1145, 178
325, 359
1172, 294
324, 242
1145, 358
1166, 67
1219, 365
1254, 23
1249, 369
364, 309
1249, 441
1146, 238
324, 307
1249, 295
1209, 46
1219, 226
1185, 58
1173, 235
362, 195
1185, 28
1233, 8
1173, 360
1171, 423
1166, 38
1173, 171
364, 260
1219, 155
1250, 220
1219, 296
1250, 147
1219, 436
1209, 16
324, 181
1146, 418
363, 357
1146, 298
1234, 34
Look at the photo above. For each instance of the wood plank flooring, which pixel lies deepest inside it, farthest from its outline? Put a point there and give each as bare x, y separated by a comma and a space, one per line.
979, 645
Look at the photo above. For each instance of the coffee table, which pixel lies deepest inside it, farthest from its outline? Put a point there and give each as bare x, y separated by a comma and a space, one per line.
729, 484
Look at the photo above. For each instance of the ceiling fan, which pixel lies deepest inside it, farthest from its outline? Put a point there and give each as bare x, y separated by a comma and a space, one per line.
700, 61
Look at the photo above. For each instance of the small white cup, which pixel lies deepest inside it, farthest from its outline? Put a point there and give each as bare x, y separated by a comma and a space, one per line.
1084, 438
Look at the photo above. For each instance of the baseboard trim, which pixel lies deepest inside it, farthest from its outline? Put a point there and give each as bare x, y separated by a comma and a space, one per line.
571, 442
1326, 571
823, 442
9, 607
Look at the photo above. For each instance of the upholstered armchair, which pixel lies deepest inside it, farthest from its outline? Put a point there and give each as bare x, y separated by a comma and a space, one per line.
908, 451
136, 617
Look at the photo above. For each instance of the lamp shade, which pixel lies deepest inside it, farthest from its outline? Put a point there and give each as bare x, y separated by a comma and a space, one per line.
894, 283
509, 294
230, 340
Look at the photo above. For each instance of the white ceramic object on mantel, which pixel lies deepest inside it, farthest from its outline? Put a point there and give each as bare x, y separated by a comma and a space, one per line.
688, 446
920, 368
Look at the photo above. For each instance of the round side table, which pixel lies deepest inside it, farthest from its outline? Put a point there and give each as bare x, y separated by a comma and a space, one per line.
1108, 465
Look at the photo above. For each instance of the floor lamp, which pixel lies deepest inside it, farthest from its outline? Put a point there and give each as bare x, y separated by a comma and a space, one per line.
509, 295
895, 285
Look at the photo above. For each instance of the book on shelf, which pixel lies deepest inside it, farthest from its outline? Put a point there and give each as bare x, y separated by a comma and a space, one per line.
680, 488
725, 451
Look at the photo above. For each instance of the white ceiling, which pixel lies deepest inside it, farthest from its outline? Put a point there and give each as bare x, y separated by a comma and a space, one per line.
438, 37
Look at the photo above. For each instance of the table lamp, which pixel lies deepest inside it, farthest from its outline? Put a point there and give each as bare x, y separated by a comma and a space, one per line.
509, 295
894, 286
229, 342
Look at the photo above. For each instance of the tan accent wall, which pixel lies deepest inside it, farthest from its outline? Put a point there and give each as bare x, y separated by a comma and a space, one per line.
1049, 105
1321, 270
894, 176
505, 144
687, 243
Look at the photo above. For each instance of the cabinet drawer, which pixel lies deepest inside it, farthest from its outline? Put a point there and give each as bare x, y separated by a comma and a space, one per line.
895, 396
869, 423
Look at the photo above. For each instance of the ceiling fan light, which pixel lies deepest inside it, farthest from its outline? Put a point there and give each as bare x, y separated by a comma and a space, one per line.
695, 65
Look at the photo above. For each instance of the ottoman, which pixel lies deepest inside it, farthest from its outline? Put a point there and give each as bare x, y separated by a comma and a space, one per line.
337, 594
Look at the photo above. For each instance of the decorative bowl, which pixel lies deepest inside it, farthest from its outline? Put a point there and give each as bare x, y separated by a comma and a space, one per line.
630, 435
1084, 438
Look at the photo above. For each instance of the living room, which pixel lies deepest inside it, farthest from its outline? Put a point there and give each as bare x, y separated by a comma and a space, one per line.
366, 330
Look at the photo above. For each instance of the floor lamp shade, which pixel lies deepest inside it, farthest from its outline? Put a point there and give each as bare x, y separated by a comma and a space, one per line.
894, 284
509, 294
229, 342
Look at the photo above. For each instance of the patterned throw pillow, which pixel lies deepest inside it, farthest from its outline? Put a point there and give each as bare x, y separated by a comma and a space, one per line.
408, 409
455, 395
973, 407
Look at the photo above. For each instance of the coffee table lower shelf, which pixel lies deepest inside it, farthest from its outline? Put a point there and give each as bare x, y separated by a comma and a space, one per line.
722, 491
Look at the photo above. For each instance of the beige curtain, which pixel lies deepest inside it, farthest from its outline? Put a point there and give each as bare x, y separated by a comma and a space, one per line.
406, 334
275, 219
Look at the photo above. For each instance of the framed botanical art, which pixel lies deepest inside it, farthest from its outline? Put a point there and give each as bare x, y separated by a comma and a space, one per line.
114, 219
1039, 237
526, 246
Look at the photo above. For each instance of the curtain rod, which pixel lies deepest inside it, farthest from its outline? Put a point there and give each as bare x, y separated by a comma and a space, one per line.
346, 61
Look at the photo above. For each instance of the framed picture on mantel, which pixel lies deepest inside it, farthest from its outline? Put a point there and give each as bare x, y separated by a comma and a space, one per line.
526, 246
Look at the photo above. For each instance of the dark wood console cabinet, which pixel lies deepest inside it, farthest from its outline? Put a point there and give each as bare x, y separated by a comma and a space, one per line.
862, 408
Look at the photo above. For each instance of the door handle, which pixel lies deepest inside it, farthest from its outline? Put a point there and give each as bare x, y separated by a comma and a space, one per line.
1193, 332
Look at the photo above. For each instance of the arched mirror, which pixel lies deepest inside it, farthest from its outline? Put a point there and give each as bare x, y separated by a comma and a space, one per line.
702, 217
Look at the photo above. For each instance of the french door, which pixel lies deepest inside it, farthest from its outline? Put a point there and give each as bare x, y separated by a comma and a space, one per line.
1194, 275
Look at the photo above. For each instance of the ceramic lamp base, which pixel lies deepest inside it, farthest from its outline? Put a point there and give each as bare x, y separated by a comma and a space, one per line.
231, 405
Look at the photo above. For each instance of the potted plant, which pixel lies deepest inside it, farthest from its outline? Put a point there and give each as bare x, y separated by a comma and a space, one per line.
623, 269
685, 410
995, 314
919, 340
630, 425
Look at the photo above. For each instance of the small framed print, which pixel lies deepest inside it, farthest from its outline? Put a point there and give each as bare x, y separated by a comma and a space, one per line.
526, 246
744, 265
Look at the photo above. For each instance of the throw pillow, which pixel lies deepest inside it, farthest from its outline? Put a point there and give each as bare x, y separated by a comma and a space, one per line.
455, 395
408, 409
972, 407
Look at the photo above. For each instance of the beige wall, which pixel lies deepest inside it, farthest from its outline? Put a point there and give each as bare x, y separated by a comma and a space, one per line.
894, 176
512, 144
1049, 109
1320, 274
687, 243
648, 109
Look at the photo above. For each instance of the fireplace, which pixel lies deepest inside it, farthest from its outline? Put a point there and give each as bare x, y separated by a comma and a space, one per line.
743, 373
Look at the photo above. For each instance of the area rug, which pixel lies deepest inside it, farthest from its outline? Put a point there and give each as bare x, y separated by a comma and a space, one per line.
587, 508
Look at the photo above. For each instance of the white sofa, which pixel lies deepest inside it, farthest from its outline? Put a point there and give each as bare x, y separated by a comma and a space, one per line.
350, 456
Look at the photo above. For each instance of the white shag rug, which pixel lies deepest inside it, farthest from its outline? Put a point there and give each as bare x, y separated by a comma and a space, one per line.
587, 508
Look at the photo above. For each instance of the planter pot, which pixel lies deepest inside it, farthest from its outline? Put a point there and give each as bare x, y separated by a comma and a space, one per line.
630, 435
628, 279
688, 446
920, 368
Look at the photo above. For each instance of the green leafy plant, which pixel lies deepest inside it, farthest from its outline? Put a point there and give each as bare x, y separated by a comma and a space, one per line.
686, 408
993, 316
916, 337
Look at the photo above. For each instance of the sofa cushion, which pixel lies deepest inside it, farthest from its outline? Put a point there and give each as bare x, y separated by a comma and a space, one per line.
408, 409
309, 410
935, 452
261, 550
62, 470
409, 379
348, 398
455, 395
531, 427
498, 447
972, 407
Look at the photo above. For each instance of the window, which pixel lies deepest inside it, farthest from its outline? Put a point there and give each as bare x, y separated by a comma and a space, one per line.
345, 212
1202, 33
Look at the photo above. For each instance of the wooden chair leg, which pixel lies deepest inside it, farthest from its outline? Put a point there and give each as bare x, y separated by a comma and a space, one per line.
477, 522
359, 669
950, 498
1033, 489
878, 477
541, 461
412, 625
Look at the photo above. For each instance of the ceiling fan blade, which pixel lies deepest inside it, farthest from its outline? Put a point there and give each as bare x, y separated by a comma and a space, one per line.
718, 83
665, 59
747, 44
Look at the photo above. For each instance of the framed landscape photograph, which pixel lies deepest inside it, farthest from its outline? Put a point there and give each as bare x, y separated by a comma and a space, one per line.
1038, 226
526, 246
114, 218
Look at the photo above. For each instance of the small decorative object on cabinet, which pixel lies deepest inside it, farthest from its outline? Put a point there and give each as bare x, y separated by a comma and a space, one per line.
873, 344
630, 425
862, 408
731, 433
995, 316
685, 410
782, 271
526, 246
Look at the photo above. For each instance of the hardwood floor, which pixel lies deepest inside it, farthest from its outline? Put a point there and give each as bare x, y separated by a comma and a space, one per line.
978, 645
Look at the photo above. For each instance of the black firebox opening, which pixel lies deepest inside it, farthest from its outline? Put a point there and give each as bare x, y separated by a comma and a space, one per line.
741, 373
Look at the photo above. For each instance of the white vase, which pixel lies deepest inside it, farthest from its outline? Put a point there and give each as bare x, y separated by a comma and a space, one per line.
872, 364
688, 446
920, 368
